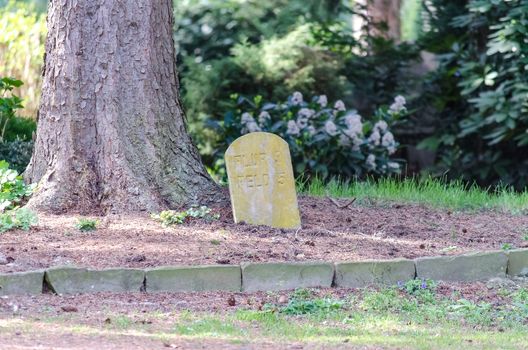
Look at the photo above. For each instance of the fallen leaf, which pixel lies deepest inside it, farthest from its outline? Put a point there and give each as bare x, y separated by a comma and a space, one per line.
283, 299
69, 308
137, 258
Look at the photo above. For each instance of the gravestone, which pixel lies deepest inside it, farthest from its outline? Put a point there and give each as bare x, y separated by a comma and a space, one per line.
261, 183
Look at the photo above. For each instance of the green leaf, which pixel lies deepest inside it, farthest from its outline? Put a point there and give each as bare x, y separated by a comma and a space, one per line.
12, 82
430, 143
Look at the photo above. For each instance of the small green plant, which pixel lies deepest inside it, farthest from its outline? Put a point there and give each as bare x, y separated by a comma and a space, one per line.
13, 190
417, 286
21, 218
507, 246
202, 212
312, 306
302, 302
521, 296
25, 218
85, 225
382, 301
171, 217
525, 237
473, 313
122, 322
302, 293
423, 290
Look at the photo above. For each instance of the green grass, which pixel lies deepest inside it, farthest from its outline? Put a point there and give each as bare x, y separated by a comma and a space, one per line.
410, 316
437, 193
86, 225
361, 330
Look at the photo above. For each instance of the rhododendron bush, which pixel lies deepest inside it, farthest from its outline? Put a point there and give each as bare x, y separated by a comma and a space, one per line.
326, 139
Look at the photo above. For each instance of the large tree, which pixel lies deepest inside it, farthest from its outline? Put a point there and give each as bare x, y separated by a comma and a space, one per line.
111, 132
386, 13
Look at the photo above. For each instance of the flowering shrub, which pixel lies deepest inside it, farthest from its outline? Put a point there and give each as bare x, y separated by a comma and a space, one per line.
325, 139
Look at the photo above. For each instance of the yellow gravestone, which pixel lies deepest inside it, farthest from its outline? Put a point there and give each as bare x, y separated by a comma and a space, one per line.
261, 182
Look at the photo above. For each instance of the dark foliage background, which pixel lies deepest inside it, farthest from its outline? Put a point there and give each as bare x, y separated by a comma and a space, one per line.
468, 104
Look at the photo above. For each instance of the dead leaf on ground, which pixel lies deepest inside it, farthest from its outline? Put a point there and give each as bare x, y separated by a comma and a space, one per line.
69, 308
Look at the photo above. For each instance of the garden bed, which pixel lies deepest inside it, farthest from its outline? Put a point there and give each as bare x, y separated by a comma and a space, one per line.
329, 233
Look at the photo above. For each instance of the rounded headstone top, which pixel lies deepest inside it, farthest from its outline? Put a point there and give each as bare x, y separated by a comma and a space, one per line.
256, 137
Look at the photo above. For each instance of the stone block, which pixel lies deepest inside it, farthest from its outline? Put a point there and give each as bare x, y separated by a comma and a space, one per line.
70, 280
194, 278
468, 267
284, 276
21, 283
518, 262
363, 273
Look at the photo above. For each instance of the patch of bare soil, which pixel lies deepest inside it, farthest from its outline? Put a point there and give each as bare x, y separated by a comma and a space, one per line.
128, 321
328, 233
96, 308
46, 339
49, 339
147, 321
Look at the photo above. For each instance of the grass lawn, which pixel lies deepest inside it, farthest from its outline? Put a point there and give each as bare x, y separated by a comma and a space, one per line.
251, 328
411, 316
414, 315
437, 193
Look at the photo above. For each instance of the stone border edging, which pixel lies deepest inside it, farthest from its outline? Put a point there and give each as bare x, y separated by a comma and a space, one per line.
272, 276
363, 273
463, 268
71, 280
193, 278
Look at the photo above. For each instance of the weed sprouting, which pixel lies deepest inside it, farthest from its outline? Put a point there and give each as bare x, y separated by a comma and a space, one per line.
85, 225
172, 217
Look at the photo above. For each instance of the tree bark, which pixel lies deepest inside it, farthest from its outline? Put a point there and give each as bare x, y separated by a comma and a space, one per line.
111, 133
388, 13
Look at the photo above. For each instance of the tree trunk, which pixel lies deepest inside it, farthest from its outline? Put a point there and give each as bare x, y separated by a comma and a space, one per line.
111, 133
388, 13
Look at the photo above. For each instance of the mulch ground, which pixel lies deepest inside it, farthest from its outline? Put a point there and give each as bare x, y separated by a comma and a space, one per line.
328, 233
